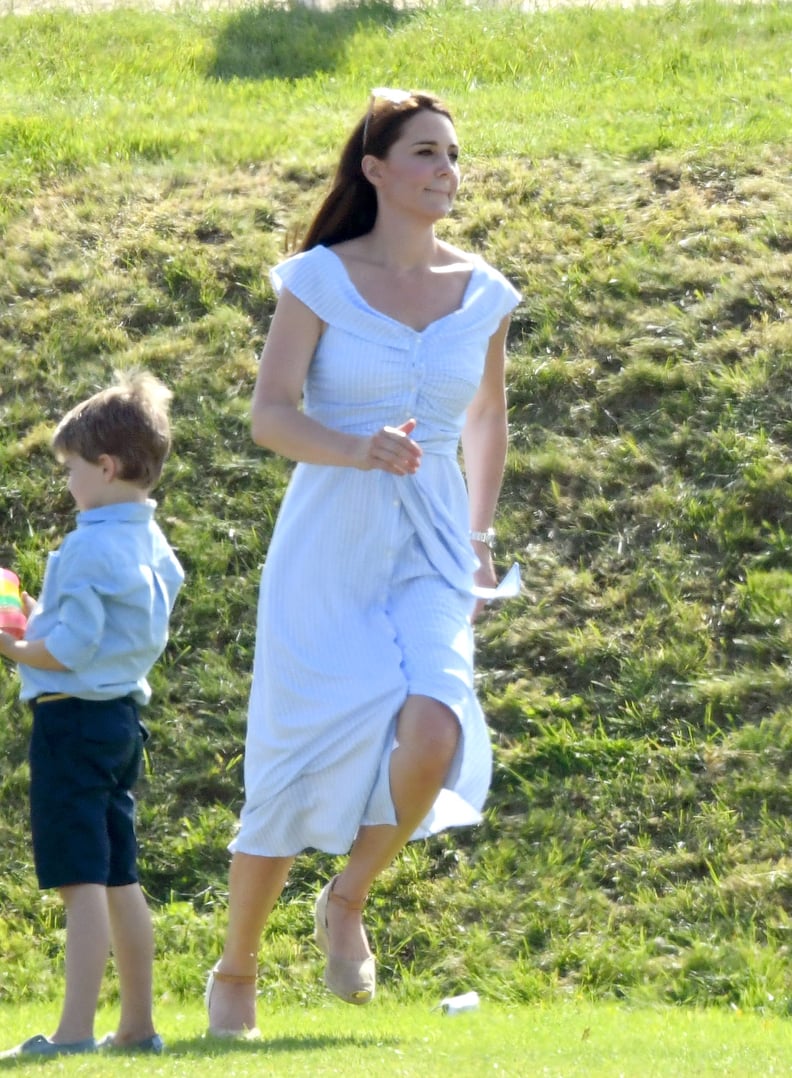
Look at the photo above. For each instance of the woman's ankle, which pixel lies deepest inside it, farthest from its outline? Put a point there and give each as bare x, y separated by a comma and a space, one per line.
241, 964
231, 1002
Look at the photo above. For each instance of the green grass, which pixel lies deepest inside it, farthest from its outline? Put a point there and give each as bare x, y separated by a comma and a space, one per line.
235, 88
629, 171
590, 1041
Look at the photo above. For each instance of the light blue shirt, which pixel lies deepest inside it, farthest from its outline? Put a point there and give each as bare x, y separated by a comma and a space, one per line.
104, 607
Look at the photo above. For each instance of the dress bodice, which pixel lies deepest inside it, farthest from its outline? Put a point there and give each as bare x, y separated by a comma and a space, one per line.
370, 370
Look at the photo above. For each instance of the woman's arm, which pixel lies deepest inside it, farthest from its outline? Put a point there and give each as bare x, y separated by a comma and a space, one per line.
484, 444
279, 424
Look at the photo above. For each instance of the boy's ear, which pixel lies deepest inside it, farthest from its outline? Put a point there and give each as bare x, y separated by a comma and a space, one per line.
111, 467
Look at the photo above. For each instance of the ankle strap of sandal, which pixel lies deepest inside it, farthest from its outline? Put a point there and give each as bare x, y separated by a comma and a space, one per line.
234, 978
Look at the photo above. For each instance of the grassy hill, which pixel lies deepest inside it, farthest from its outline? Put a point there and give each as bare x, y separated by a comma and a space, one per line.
629, 172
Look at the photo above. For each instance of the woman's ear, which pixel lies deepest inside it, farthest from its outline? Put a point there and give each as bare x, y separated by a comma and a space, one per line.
371, 167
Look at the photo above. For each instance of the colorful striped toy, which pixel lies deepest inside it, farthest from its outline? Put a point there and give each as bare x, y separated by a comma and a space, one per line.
12, 619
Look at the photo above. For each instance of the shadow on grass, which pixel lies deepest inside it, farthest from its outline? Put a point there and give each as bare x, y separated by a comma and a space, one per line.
201, 1046
293, 42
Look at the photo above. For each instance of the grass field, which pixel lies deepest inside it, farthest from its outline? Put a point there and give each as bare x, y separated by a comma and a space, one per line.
629, 171
414, 1041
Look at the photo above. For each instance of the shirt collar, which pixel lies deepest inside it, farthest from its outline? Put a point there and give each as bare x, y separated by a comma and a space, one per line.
119, 513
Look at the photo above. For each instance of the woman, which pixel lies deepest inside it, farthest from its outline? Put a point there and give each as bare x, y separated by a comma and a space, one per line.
363, 728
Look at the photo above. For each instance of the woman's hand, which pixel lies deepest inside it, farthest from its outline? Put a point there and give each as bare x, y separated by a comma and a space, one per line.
485, 576
392, 450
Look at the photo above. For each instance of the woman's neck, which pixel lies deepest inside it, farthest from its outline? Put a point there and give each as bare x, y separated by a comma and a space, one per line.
399, 246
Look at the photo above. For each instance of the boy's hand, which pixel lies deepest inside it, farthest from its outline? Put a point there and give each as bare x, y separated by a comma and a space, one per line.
7, 644
28, 604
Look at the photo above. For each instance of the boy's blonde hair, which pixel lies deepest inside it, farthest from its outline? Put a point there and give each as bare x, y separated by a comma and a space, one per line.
128, 421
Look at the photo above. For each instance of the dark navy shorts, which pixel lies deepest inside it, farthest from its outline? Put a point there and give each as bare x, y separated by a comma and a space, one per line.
85, 757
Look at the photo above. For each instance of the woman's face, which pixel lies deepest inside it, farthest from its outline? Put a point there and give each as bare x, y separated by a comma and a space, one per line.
420, 173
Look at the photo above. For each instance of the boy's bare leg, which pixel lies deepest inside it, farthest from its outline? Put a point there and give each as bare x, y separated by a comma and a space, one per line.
133, 949
87, 951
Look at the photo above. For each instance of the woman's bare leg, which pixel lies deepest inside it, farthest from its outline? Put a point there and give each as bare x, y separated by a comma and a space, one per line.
428, 735
254, 886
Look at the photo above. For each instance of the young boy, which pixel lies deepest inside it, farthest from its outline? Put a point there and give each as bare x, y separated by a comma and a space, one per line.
91, 639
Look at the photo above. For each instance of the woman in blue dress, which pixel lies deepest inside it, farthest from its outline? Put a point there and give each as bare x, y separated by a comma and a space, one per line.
387, 347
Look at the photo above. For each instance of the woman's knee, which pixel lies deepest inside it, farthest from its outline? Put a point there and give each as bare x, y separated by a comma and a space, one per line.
432, 729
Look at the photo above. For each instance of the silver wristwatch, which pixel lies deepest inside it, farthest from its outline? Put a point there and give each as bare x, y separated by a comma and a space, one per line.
487, 537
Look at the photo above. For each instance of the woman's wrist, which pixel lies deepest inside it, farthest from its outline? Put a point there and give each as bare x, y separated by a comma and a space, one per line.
483, 538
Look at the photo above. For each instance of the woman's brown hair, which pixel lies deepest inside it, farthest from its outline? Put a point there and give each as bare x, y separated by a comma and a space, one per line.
350, 208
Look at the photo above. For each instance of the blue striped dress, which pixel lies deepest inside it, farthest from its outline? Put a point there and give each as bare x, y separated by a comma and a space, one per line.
365, 596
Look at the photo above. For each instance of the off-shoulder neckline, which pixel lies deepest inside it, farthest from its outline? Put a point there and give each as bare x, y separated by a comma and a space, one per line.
474, 269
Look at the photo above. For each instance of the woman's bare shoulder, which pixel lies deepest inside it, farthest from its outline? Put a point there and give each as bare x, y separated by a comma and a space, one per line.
452, 255
349, 250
